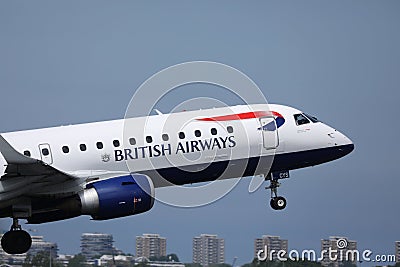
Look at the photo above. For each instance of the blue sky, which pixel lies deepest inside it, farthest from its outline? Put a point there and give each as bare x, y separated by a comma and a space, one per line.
68, 62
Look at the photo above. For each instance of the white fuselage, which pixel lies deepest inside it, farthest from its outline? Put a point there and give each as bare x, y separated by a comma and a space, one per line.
180, 148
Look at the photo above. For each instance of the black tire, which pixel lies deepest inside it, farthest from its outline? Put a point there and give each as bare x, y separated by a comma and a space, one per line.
272, 203
278, 203
16, 242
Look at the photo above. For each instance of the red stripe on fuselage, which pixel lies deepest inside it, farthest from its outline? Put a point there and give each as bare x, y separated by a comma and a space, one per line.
242, 116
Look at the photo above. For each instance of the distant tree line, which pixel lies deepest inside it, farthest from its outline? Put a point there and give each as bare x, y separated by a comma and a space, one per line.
291, 263
211, 265
42, 259
170, 257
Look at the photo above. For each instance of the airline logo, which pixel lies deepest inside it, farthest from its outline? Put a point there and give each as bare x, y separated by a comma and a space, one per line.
279, 119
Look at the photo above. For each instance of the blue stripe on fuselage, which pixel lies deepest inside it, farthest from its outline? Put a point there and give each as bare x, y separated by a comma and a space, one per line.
282, 162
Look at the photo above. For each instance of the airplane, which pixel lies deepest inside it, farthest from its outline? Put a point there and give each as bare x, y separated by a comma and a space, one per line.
110, 169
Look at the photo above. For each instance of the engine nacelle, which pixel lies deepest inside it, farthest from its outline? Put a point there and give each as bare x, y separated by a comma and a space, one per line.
118, 197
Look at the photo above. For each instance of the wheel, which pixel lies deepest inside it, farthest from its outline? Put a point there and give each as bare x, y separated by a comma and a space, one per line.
278, 203
273, 204
16, 242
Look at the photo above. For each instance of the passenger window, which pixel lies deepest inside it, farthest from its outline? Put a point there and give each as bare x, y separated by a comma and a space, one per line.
301, 119
132, 141
165, 137
181, 135
229, 129
82, 147
149, 139
45, 152
65, 149
27, 153
116, 143
99, 145
197, 133
213, 131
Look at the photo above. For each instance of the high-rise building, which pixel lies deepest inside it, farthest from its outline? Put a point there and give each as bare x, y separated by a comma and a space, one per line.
272, 243
96, 244
151, 245
397, 249
38, 244
208, 249
344, 251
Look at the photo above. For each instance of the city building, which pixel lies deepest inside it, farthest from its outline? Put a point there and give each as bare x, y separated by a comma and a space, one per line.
208, 249
94, 245
397, 250
64, 259
344, 248
112, 260
145, 261
272, 243
151, 245
38, 245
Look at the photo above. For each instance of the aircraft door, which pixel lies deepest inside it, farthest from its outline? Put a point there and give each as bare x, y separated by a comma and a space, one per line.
45, 153
269, 132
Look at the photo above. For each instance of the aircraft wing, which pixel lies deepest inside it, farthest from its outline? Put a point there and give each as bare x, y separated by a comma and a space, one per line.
25, 176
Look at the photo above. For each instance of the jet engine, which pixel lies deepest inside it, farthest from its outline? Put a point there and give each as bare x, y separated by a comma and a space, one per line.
118, 197
106, 199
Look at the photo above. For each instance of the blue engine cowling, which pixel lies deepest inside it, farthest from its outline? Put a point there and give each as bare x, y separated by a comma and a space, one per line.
118, 197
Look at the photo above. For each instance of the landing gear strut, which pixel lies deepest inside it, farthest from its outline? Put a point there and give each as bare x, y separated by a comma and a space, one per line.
276, 202
16, 241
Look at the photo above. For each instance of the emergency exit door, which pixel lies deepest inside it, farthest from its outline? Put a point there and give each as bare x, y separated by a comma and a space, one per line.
45, 153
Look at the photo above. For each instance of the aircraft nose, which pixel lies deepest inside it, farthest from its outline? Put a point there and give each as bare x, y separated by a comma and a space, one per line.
346, 149
344, 144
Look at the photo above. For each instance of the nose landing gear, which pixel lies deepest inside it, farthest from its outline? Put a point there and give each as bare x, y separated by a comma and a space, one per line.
16, 241
277, 202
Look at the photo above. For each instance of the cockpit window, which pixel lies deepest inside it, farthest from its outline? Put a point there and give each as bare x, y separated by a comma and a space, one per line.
301, 119
312, 118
